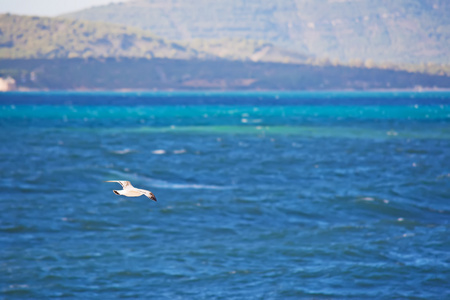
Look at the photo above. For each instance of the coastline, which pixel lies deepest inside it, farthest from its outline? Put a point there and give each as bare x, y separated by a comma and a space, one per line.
230, 91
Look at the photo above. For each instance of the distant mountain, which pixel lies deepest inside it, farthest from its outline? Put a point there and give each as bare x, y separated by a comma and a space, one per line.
173, 74
56, 53
400, 31
35, 37
247, 50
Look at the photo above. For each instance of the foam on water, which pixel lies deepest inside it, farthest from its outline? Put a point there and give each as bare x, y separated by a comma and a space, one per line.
86, 113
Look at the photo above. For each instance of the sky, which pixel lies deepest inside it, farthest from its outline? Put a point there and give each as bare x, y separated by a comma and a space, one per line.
48, 8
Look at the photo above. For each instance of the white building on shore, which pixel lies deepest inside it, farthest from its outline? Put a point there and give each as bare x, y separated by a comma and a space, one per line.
7, 84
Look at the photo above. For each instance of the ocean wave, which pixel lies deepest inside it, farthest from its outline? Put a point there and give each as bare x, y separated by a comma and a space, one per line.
123, 151
159, 151
180, 151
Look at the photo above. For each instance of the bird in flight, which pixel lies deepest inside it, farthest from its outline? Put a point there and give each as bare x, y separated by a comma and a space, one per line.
131, 191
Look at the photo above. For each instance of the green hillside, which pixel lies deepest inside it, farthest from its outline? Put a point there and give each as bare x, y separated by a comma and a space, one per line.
35, 37
400, 31
173, 74
57, 53
243, 49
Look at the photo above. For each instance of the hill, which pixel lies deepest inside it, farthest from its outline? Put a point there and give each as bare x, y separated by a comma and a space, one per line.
56, 53
173, 74
401, 31
36, 37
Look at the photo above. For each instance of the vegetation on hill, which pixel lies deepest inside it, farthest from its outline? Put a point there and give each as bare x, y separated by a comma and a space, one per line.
172, 74
242, 49
55, 53
401, 31
35, 37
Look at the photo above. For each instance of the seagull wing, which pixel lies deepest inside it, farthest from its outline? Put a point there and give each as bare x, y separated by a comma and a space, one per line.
123, 183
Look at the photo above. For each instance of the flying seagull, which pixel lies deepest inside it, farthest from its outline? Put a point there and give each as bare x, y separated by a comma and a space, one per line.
131, 191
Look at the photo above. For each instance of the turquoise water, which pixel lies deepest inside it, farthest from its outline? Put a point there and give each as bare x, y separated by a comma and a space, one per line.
260, 195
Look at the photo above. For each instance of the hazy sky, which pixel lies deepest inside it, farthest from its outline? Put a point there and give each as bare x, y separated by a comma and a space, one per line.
49, 8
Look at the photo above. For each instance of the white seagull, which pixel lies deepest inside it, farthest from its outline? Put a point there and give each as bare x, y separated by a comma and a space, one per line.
131, 191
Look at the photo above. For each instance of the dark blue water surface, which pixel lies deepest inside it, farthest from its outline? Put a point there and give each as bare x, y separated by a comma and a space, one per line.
260, 195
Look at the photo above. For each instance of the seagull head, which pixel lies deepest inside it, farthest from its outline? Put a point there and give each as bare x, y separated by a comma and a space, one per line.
150, 195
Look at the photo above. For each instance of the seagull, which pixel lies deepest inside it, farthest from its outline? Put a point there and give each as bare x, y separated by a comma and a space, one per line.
131, 191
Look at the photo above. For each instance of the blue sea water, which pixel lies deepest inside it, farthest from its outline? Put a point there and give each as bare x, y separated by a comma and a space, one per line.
309, 195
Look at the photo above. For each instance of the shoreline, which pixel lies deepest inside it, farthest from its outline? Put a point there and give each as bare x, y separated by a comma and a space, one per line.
207, 92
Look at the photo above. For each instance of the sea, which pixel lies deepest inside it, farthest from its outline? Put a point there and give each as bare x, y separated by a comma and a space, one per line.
260, 195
